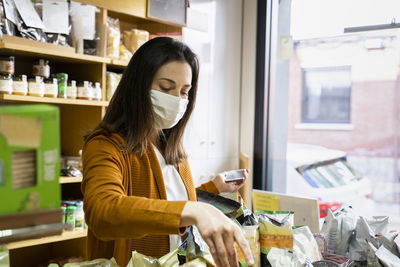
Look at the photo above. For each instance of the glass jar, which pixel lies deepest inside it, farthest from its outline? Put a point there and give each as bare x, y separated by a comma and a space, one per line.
97, 92
51, 87
85, 90
6, 83
41, 67
20, 85
62, 84
36, 86
72, 91
6, 65
70, 217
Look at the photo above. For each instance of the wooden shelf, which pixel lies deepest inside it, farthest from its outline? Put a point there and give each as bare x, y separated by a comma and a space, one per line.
70, 180
66, 235
118, 63
18, 46
51, 100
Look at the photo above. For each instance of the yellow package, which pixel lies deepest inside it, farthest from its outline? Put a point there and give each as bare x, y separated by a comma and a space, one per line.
252, 235
134, 38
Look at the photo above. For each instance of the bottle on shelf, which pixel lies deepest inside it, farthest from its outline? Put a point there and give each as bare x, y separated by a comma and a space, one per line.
36, 86
20, 85
97, 92
79, 216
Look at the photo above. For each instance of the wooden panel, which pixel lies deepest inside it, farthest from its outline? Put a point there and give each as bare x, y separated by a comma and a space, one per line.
69, 180
32, 256
132, 7
17, 46
244, 162
49, 100
76, 121
67, 235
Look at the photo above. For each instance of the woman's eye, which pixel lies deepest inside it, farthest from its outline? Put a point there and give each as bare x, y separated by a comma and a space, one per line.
185, 93
164, 88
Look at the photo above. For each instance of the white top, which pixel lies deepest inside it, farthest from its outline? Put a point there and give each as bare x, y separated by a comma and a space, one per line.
175, 188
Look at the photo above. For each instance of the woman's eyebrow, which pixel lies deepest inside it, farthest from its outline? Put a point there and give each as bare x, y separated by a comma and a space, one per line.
172, 81
169, 80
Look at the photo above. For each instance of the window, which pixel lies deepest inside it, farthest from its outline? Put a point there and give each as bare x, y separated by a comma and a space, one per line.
326, 95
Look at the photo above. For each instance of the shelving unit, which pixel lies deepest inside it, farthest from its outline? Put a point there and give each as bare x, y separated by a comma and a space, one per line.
50, 100
66, 235
76, 116
70, 180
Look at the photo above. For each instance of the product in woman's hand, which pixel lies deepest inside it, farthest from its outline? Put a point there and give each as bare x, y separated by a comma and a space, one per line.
234, 176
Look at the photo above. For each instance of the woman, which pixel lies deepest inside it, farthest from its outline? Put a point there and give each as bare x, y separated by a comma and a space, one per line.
138, 190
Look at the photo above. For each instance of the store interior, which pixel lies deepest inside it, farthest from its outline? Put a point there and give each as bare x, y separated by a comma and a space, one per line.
301, 94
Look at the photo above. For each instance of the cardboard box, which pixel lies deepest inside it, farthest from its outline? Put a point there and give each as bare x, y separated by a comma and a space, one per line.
29, 158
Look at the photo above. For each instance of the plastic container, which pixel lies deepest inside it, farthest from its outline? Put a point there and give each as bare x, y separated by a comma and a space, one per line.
62, 84
51, 87
79, 216
70, 216
97, 92
72, 90
64, 210
6, 65
36, 86
41, 68
85, 90
20, 85
6, 84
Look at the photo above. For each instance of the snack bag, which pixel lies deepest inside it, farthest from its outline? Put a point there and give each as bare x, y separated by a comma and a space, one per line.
251, 233
275, 231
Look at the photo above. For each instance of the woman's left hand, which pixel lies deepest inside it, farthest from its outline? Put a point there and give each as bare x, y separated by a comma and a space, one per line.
224, 187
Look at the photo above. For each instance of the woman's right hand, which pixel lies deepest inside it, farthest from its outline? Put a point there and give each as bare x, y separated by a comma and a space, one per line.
219, 232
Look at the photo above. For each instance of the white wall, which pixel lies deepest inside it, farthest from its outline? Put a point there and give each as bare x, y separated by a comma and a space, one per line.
214, 32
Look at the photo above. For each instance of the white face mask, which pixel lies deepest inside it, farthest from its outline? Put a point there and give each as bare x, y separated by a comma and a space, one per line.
168, 109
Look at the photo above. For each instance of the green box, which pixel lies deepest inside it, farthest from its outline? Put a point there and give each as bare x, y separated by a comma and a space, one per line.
29, 158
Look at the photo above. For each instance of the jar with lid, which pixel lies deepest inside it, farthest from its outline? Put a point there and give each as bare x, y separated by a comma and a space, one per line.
6, 65
20, 85
62, 84
36, 86
85, 90
41, 67
6, 83
96, 92
51, 87
72, 91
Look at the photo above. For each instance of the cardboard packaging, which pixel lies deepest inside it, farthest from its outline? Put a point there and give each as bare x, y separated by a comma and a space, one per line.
29, 158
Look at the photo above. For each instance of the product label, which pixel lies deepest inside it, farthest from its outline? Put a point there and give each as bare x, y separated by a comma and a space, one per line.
41, 70
6, 86
50, 89
84, 92
21, 87
7, 66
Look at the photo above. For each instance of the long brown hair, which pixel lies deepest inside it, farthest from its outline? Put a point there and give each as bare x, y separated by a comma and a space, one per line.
130, 112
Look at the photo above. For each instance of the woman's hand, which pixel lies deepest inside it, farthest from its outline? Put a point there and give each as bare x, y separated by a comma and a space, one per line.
224, 187
219, 232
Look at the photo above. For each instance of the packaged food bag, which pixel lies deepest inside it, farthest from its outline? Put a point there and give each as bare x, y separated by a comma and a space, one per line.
275, 232
251, 234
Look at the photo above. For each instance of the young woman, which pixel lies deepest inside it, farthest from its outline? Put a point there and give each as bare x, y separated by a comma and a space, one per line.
138, 189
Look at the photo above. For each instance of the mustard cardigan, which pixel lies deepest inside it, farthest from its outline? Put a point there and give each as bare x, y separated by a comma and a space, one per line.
125, 200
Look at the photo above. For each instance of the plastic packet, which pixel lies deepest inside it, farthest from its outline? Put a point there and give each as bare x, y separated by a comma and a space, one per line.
94, 263
387, 258
273, 236
387, 240
359, 244
339, 229
124, 53
112, 81
225, 205
251, 234
142, 260
283, 258
135, 38
195, 247
113, 37
305, 245
372, 259
378, 224
169, 260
